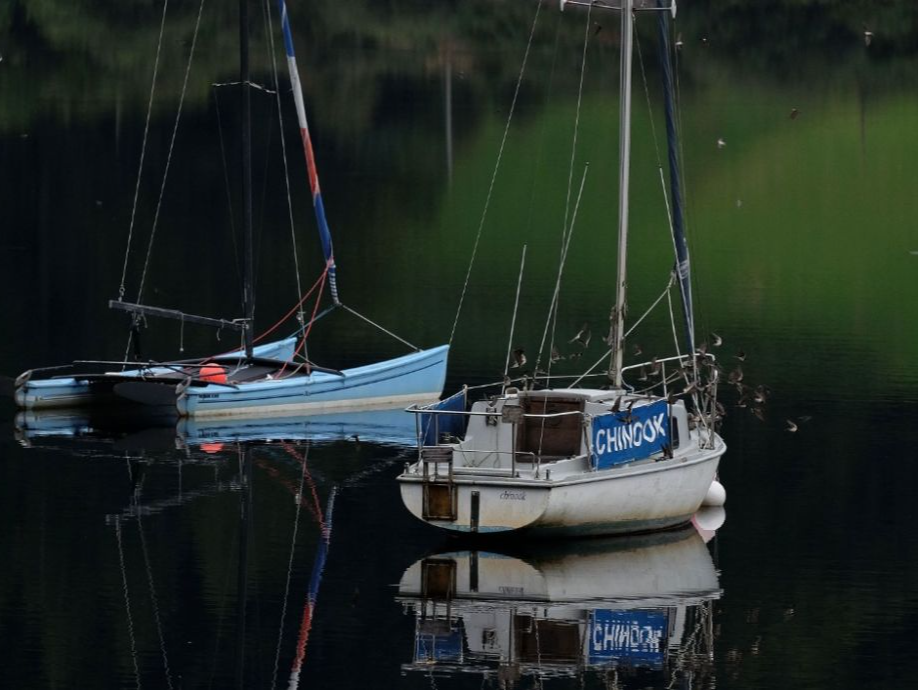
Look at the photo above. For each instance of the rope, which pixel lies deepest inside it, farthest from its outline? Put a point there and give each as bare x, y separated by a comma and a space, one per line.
143, 150
290, 313
552, 320
500, 154
312, 320
162, 188
516, 304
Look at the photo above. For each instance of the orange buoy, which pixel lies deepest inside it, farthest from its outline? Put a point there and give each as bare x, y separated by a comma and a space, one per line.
212, 373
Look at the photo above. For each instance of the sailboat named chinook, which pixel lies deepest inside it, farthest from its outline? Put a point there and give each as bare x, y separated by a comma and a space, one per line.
272, 378
578, 460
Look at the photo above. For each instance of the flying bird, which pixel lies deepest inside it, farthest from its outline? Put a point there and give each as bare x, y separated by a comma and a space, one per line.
740, 355
791, 426
868, 36
583, 336
721, 143
716, 340
679, 42
794, 113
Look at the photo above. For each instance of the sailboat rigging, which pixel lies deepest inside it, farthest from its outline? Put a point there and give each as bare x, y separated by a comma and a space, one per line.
576, 460
271, 378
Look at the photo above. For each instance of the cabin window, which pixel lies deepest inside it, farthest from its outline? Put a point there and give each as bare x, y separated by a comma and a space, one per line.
674, 431
558, 437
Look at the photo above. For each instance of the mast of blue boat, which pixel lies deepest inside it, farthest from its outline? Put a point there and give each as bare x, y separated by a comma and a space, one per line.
678, 226
248, 282
618, 344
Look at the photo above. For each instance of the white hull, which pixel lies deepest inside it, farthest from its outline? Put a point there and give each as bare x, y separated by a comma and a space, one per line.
617, 501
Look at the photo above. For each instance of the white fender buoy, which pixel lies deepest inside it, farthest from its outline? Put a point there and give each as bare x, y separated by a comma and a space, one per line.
716, 496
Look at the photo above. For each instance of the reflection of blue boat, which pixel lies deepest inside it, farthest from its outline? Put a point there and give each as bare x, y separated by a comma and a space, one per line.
622, 603
390, 425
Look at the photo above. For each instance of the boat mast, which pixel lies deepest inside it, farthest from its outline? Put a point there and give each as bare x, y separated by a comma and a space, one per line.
248, 284
618, 344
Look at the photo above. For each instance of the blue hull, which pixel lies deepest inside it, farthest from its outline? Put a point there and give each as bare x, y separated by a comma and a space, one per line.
412, 378
406, 379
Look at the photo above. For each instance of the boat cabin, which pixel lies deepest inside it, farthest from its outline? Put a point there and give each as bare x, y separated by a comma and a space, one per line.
526, 430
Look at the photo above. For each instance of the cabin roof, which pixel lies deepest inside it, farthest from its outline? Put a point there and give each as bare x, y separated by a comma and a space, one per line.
587, 394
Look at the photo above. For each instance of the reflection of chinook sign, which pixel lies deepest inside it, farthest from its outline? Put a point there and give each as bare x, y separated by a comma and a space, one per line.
632, 435
625, 637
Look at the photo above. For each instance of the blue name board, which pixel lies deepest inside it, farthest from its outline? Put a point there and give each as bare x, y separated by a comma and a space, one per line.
635, 637
621, 437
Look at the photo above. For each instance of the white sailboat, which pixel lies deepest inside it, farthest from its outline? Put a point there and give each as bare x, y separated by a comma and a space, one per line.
630, 458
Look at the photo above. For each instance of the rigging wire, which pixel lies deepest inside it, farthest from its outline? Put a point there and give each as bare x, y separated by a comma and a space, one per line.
629, 331
280, 120
127, 601
296, 524
153, 597
500, 154
143, 150
226, 182
516, 304
162, 188
551, 321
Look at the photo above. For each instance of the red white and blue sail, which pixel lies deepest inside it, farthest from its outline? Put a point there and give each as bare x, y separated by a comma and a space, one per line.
324, 232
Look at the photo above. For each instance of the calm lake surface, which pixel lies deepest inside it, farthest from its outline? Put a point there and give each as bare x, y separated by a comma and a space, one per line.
175, 556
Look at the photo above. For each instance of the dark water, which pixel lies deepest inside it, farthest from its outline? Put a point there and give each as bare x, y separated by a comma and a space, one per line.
144, 559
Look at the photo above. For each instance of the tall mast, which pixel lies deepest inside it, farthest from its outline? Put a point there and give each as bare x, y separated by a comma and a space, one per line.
618, 345
248, 283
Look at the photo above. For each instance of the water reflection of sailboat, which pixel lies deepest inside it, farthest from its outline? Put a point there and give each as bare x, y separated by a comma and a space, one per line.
631, 605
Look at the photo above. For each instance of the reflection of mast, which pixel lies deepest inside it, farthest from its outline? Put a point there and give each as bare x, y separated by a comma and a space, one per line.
245, 512
318, 567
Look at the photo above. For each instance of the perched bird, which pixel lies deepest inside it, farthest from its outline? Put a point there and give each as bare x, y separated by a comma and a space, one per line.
655, 367
642, 374
583, 336
791, 426
702, 349
794, 113
721, 143
519, 358
716, 340
617, 405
